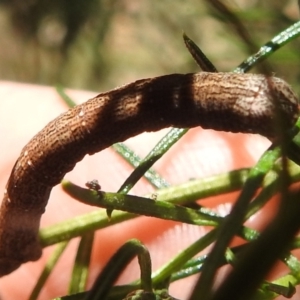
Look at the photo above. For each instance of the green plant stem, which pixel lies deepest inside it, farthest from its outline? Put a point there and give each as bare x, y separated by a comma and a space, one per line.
134, 160
118, 262
232, 223
60, 248
81, 265
144, 206
182, 194
270, 47
156, 153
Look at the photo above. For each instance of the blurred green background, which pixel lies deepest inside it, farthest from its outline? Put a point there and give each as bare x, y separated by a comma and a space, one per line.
100, 44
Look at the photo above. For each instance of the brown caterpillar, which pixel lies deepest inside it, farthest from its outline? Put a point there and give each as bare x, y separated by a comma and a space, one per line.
220, 101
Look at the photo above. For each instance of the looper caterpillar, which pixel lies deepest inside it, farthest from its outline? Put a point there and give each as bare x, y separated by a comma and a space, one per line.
220, 101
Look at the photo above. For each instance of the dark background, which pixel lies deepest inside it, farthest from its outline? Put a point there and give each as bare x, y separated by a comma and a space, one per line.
100, 44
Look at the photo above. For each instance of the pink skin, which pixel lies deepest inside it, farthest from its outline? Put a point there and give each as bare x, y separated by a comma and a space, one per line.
25, 109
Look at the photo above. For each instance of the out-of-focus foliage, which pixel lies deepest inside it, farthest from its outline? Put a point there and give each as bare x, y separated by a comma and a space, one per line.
99, 44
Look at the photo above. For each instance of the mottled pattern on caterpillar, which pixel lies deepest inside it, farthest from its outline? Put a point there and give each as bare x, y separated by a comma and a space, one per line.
220, 101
